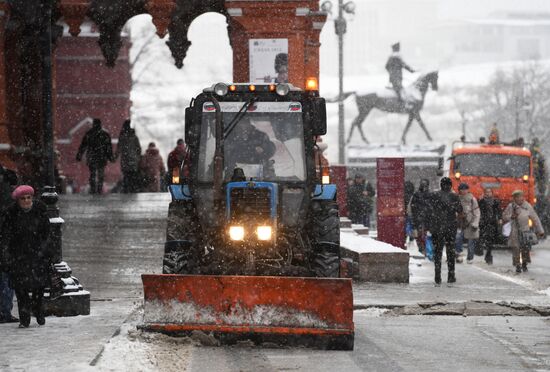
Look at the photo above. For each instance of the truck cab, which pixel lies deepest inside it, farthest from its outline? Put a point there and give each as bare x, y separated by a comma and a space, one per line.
503, 168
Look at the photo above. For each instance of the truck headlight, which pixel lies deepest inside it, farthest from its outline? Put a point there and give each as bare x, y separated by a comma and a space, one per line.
263, 232
236, 232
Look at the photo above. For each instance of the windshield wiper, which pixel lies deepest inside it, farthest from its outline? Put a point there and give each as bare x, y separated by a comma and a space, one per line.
240, 114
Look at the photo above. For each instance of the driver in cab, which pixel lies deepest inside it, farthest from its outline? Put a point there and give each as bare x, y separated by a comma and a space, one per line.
248, 145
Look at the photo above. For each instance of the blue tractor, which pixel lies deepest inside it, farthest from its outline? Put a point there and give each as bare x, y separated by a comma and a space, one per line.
251, 199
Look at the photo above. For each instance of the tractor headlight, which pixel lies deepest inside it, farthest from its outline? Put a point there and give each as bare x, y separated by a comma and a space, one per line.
263, 232
220, 89
282, 89
236, 233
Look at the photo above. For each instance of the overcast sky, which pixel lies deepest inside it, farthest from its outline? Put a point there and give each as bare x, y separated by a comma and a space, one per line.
480, 8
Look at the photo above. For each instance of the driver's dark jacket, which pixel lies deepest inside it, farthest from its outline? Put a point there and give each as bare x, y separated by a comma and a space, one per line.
242, 146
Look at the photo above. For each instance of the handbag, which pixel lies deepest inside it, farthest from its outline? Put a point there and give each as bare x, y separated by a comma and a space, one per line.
528, 238
56, 283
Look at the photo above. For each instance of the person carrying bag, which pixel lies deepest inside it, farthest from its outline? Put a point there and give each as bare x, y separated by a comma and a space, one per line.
520, 212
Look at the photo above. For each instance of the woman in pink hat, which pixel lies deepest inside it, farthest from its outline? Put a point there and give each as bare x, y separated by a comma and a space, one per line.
26, 233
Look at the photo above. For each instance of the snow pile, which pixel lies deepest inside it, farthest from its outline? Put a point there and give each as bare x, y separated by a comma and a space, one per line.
262, 315
134, 350
365, 244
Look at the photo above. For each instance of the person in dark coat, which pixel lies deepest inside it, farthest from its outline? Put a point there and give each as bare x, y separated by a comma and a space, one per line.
443, 225
248, 145
26, 232
175, 158
129, 150
8, 179
354, 194
421, 213
97, 146
395, 66
491, 219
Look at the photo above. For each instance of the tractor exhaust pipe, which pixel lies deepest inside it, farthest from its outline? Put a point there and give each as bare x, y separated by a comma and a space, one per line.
218, 158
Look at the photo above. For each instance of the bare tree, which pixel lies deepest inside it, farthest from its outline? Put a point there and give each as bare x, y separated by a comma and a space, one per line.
518, 101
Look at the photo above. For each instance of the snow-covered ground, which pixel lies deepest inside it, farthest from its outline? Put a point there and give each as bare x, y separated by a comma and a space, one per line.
161, 92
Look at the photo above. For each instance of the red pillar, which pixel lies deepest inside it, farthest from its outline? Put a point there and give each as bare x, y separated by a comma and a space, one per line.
298, 22
390, 206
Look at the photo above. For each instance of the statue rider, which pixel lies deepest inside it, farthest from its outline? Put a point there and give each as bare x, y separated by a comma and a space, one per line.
395, 66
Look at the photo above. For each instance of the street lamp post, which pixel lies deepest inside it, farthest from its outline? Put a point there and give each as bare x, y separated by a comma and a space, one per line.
74, 301
340, 26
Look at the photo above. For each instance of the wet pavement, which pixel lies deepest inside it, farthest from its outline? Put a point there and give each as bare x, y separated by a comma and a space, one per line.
110, 240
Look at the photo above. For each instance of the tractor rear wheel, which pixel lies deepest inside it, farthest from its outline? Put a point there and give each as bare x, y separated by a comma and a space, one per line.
182, 247
325, 239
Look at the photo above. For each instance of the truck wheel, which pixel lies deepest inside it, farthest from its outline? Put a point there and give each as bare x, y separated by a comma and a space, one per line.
325, 239
181, 250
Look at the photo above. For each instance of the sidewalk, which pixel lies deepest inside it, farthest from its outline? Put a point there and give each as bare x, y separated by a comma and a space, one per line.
474, 283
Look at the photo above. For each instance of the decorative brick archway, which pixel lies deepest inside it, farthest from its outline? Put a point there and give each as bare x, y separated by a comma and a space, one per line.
297, 21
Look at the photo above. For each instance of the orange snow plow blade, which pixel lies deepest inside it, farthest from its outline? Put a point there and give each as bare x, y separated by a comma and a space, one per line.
315, 312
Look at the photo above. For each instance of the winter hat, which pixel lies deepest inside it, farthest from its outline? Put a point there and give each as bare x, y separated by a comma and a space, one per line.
517, 193
22, 191
463, 186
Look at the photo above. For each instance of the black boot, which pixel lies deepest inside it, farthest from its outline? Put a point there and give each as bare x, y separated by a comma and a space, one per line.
437, 278
451, 277
518, 269
524, 267
40, 319
489, 260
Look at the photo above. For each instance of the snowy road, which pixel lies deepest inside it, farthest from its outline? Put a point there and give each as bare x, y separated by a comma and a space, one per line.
110, 241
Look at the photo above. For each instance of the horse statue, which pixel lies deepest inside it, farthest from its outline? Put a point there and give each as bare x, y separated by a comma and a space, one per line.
412, 103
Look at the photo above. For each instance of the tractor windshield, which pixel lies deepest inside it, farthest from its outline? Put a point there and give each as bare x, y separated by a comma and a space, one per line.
267, 142
492, 165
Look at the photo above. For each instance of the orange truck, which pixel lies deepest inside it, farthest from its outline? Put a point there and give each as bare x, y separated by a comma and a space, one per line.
504, 168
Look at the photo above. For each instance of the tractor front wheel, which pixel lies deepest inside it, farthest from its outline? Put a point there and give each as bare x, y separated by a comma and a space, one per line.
325, 239
181, 250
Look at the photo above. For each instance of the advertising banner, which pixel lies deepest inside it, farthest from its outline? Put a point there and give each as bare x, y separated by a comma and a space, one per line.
390, 179
268, 61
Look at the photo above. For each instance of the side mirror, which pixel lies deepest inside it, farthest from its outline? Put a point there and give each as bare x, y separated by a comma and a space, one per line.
319, 116
190, 130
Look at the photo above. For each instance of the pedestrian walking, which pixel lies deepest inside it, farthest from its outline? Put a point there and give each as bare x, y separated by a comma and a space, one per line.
8, 179
152, 167
443, 224
469, 223
26, 238
129, 150
96, 144
175, 159
489, 224
519, 212
355, 196
365, 200
420, 211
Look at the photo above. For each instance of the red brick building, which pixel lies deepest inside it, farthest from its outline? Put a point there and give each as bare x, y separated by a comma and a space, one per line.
84, 87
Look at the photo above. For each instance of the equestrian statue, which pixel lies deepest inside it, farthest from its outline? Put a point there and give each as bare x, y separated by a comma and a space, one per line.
396, 99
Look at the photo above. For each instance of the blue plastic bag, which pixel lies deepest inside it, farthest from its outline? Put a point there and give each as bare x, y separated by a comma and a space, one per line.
429, 247
409, 228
